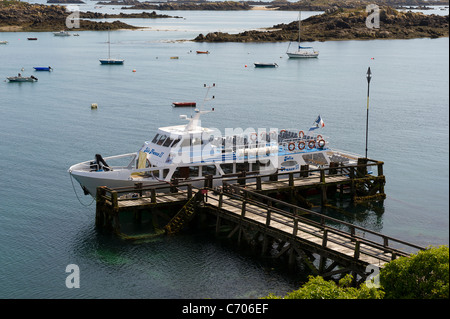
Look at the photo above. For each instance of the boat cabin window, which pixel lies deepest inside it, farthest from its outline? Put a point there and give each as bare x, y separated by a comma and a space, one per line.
241, 167
165, 172
227, 168
315, 159
155, 138
289, 163
176, 141
186, 172
161, 139
168, 142
209, 170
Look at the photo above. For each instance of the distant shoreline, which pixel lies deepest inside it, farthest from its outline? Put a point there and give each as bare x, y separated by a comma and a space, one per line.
280, 5
21, 16
344, 24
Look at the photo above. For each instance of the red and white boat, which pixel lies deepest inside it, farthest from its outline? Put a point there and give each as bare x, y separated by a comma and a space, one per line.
179, 104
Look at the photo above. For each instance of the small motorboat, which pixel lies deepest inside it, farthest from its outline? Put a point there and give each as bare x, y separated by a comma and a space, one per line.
3, 42
202, 52
265, 65
61, 34
43, 68
21, 78
32, 39
179, 104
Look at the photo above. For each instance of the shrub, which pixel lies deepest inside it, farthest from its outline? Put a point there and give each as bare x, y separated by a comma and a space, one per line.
424, 275
319, 288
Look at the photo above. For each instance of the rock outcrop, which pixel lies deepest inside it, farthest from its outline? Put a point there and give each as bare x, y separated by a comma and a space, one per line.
345, 24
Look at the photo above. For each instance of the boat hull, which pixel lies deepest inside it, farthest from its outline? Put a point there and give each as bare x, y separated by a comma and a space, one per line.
21, 79
266, 65
111, 61
302, 54
38, 68
114, 177
181, 104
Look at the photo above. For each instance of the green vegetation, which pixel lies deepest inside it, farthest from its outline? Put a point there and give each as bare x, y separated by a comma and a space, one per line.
319, 288
424, 275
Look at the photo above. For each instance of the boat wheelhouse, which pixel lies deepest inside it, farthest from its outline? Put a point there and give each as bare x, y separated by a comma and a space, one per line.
189, 152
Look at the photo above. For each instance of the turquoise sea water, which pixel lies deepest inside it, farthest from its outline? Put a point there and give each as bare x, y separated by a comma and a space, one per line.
47, 126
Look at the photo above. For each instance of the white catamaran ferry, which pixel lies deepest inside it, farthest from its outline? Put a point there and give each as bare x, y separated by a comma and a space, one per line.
189, 152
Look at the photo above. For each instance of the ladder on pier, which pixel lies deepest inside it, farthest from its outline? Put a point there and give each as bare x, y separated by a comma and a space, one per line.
184, 215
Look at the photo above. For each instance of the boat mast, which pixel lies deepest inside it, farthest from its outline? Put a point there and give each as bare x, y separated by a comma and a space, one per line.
299, 19
109, 45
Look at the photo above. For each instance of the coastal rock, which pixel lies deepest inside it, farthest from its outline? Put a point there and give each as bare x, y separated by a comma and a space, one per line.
22, 16
281, 5
345, 24
65, 1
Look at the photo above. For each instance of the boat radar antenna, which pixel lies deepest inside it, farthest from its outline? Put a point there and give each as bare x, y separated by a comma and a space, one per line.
193, 121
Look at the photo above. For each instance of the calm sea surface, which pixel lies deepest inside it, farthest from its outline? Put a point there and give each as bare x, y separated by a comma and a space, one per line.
47, 126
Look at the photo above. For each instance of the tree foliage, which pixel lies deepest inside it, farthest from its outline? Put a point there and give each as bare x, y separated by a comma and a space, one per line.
424, 275
319, 288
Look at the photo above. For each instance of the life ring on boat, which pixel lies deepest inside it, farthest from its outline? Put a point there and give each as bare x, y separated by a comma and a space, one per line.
282, 131
253, 136
311, 144
319, 137
301, 145
291, 146
321, 143
273, 135
301, 134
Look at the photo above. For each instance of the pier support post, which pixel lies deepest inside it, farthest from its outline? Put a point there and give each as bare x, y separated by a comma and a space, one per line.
323, 188
100, 207
304, 170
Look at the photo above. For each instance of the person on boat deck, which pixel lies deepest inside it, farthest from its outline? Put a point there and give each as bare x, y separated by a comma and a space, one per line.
19, 75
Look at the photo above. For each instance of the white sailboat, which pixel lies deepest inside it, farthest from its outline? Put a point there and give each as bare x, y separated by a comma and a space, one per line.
302, 52
110, 60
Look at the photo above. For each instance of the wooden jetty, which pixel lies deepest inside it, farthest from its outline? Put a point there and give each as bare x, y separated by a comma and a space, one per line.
244, 205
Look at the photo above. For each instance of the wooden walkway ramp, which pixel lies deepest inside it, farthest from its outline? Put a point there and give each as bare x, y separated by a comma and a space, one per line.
242, 207
326, 245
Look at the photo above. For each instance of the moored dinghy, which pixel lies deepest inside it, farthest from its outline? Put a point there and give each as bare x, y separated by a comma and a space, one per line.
265, 65
43, 68
21, 78
180, 104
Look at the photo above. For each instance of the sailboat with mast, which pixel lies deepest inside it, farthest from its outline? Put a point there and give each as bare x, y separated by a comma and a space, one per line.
302, 52
110, 60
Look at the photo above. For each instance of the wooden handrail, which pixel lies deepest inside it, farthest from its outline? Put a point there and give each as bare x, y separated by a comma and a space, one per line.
385, 239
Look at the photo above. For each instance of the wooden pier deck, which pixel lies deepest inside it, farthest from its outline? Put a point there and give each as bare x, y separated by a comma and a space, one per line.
328, 246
